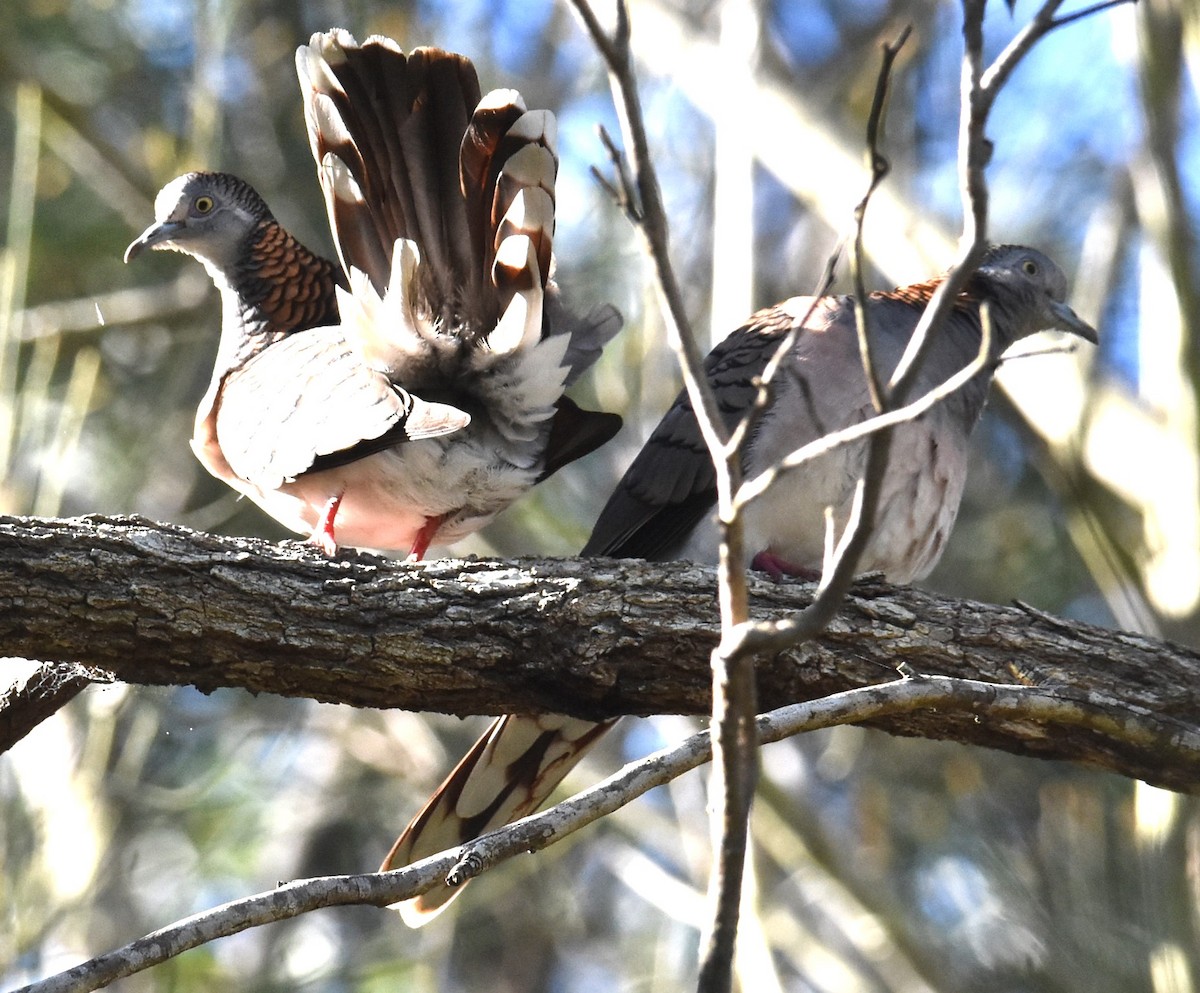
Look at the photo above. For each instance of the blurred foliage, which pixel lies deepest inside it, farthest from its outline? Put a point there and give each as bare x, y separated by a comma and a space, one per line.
880, 864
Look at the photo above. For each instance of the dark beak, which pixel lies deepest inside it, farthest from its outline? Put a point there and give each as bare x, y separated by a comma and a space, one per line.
152, 237
1068, 320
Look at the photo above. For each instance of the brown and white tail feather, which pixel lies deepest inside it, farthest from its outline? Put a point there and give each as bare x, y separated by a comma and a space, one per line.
396, 124
479, 165
406, 149
508, 773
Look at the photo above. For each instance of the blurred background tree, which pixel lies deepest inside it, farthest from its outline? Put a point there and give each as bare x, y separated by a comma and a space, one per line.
879, 864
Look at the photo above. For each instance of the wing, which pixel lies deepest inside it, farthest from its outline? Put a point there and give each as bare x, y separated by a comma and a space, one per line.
671, 485
307, 403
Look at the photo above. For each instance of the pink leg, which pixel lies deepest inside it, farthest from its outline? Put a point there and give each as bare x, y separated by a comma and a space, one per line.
777, 567
322, 535
424, 537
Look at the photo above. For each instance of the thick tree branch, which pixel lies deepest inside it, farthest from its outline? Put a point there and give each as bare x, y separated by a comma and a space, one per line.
161, 605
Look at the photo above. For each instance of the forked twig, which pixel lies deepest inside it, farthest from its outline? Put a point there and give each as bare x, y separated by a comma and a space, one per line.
735, 751
880, 167
623, 191
740, 639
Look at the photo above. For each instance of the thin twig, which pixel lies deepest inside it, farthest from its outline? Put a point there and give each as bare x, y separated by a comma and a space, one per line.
988, 701
623, 192
735, 762
880, 167
979, 89
652, 224
716, 967
1043, 22
762, 398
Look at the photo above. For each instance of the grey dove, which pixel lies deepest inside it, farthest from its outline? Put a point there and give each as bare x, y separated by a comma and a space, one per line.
663, 507
406, 394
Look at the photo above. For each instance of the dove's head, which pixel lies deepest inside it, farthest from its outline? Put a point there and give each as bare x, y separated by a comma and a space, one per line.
206, 214
1028, 292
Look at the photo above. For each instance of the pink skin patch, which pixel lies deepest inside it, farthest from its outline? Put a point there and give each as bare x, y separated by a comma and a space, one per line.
777, 567
324, 538
322, 535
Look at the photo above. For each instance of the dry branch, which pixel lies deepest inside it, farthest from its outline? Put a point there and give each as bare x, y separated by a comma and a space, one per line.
161, 605
538, 831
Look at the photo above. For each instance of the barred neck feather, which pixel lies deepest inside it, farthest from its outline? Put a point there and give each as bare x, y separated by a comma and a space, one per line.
278, 288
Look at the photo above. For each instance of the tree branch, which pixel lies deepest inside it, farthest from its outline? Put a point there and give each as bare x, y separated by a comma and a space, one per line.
989, 702
48, 689
162, 605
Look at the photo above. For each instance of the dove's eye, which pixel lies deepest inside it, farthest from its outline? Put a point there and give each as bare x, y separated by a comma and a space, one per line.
202, 204
1030, 267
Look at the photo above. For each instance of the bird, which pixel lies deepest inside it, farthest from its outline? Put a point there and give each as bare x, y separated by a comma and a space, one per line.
408, 392
663, 508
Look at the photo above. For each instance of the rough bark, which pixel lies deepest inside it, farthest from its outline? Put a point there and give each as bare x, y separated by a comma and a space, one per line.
161, 605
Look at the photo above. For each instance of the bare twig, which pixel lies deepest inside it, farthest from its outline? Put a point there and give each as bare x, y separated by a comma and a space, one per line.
651, 219
979, 89
716, 968
623, 191
1043, 22
735, 765
880, 167
842, 560
734, 754
988, 701
763, 397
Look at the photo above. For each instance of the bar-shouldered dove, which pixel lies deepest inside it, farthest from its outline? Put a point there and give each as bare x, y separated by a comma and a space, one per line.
663, 508
408, 394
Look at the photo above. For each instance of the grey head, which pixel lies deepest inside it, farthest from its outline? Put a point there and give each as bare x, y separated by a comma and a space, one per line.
209, 215
1027, 291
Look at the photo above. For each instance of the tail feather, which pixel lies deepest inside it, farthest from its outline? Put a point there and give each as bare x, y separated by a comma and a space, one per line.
396, 124
507, 774
407, 150
512, 175
497, 112
431, 142
351, 176
525, 203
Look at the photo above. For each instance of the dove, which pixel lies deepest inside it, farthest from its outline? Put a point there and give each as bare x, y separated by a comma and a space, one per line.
407, 393
664, 506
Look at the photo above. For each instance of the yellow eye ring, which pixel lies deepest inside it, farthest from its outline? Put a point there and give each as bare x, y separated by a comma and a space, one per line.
1030, 267
203, 204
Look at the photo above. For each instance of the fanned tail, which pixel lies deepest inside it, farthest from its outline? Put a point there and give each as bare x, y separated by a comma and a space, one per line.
407, 151
446, 202
385, 131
